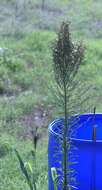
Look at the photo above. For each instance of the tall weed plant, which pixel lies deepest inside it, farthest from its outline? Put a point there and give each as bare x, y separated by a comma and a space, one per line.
72, 95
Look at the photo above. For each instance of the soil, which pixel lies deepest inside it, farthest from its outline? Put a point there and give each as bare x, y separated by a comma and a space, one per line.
36, 121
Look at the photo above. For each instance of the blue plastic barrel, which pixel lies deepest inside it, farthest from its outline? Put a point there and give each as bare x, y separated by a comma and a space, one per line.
88, 168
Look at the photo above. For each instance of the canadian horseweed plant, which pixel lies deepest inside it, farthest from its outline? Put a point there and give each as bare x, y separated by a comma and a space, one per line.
67, 58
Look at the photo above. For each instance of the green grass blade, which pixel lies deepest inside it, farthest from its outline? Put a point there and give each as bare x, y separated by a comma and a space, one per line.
24, 170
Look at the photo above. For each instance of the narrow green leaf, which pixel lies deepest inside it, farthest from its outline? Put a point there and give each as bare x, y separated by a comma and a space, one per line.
24, 170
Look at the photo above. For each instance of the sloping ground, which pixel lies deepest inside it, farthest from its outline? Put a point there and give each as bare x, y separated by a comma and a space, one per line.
18, 17
24, 63
26, 75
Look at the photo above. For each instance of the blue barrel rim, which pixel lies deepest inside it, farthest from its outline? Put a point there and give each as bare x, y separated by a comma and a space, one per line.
50, 128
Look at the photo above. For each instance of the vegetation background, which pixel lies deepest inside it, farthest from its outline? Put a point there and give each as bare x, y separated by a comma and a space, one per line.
27, 30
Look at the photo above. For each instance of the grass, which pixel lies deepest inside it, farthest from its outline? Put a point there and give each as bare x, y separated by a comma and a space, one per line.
28, 70
26, 74
10, 174
34, 71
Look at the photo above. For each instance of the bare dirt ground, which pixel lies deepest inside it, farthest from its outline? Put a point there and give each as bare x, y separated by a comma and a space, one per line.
36, 122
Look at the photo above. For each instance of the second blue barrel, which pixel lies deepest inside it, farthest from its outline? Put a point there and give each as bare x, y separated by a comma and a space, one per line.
85, 153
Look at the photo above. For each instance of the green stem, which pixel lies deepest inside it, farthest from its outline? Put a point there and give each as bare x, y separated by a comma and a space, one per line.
65, 140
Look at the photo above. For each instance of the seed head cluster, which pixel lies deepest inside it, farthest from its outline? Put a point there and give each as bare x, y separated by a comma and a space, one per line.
67, 56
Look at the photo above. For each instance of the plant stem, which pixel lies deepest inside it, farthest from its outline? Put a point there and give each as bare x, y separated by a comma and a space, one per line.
65, 139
